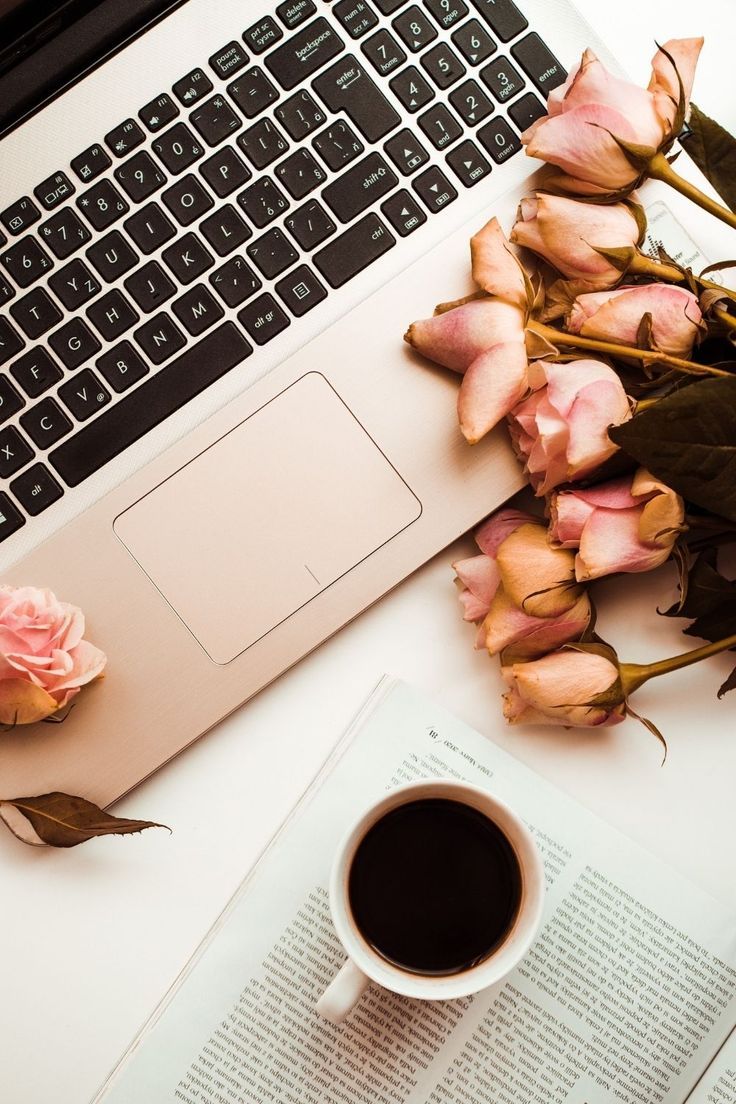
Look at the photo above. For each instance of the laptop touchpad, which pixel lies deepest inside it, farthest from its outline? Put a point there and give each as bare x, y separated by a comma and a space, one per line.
267, 517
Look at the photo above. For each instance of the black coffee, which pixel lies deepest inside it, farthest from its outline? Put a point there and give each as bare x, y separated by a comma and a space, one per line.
434, 886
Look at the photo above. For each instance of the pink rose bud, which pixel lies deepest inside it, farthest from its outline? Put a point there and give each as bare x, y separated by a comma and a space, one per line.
562, 688
566, 231
561, 430
540, 584
506, 626
626, 525
479, 575
496, 268
617, 316
44, 661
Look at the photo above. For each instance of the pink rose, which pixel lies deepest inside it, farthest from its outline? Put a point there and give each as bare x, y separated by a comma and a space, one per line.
43, 659
566, 231
561, 430
561, 688
625, 525
617, 315
592, 108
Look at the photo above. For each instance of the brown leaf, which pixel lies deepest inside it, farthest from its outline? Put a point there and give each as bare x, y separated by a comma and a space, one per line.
60, 820
713, 150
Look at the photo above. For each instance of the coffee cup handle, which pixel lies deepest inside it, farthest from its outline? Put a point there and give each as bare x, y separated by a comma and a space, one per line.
343, 993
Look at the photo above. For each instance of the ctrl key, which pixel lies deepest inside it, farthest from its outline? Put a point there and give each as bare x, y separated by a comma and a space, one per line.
36, 489
263, 319
11, 518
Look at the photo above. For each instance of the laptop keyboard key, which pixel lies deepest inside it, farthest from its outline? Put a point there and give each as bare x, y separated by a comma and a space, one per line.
14, 453
64, 233
112, 315
300, 174
112, 256
140, 176
125, 137
253, 92
474, 42
36, 371
300, 115
526, 111
229, 60
20, 215
197, 310
355, 16
150, 287
301, 290
235, 281
403, 212
158, 113
503, 79
348, 88
225, 230
54, 190
338, 145
225, 171
310, 225
344, 257
10, 400
434, 189
84, 395
292, 13
262, 143
193, 87
215, 120
447, 12
414, 28
160, 338
91, 163
7, 291
45, 423
359, 187
26, 261
384, 52
502, 16
263, 202
102, 205
263, 319
122, 367
406, 152
468, 163
262, 35
273, 253
74, 284
539, 63
11, 518
187, 200
36, 489
178, 148
440, 126
150, 228
10, 341
304, 53
35, 313
187, 258
74, 343
499, 140
471, 103
412, 89
443, 65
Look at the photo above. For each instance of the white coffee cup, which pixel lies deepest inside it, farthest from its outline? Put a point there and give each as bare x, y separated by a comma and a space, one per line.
365, 964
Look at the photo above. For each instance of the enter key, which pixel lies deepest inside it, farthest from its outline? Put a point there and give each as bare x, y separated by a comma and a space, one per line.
347, 87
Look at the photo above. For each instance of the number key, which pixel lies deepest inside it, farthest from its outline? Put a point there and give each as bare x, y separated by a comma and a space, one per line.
502, 78
178, 148
384, 52
499, 140
140, 176
471, 103
443, 65
64, 233
26, 261
474, 42
447, 12
102, 205
412, 89
440, 126
414, 28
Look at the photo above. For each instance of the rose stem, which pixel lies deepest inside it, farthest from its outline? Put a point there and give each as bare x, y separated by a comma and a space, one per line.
660, 168
634, 674
641, 265
728, 320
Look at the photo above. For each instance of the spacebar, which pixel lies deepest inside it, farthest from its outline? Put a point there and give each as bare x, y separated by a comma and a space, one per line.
144, 408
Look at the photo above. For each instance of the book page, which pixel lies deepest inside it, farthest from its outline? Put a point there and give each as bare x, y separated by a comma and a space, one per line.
626, 995
718, 1083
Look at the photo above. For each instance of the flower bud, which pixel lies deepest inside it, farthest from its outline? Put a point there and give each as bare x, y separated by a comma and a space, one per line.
565, 688
674, 313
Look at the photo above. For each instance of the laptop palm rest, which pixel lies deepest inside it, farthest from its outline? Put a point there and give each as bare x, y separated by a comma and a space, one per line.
267, 517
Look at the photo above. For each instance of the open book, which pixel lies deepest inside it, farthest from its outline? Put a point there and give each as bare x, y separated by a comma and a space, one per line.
628, 994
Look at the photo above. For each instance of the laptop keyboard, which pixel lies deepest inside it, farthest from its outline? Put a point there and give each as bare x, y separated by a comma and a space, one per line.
232, 206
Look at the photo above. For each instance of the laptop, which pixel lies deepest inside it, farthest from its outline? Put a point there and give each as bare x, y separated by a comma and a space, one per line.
216, 222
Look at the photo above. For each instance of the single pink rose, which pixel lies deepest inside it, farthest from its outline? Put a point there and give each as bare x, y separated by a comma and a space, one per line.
44, 660
626, 525
507, 626
479, 575
561, 431
616, 316
560, 688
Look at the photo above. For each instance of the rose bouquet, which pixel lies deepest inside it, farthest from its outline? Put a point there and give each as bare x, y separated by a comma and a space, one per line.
616, 375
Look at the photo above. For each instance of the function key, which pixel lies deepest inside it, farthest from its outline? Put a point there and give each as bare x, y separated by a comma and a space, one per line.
499, 140
434, 189
192, 87
468, 163
20, 215
26, 261
503, 79
440, 126
471, 103
384, 52
54, 190
300, 115
178, 148
293, 12
262, 34
301, 290
539, 63
304, 53
474, 42
443, 65
229, 60
64, 233
158, 112
10, 344
414, 28
526, 111
263, 319
215, 120
403, 212
36, 489
14, 452
448, 12
224, 172
124, 138
11, 518
91, 163
102, 205
412, 89
253, 92
355, 16
502, 16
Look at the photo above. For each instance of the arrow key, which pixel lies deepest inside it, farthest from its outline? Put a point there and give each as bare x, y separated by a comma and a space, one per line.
403, 212
406, 152
474, 42
414, 28
468, 163
434, 189
412, 89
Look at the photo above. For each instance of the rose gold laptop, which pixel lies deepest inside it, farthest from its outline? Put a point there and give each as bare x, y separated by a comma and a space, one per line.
214, 440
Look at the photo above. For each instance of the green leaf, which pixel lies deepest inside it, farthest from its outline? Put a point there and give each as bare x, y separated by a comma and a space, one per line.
688, 440
60, 820
713, 150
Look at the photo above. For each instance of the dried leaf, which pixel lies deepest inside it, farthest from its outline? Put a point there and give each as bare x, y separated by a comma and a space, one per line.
713, 150
443, 308
650, 725
60, 820
538, 347
729, 684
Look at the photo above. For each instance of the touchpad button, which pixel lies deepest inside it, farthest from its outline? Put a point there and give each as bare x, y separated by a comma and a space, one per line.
267, 517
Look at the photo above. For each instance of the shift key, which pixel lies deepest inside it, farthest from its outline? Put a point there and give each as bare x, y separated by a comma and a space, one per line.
359, 187
304, 53
346, 86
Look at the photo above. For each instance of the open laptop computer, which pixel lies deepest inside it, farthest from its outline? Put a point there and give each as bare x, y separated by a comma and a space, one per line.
216, 221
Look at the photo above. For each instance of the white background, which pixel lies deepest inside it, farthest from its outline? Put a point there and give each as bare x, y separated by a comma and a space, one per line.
91, 938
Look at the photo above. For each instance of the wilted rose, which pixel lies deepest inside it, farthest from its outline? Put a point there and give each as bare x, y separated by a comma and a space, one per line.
561, 430
561, 688
674, 316
507, 626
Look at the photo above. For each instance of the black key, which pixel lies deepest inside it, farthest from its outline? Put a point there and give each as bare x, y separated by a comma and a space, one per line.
300, 115
263, 202
54, 190
263, 319
502, 16
74, 343
11, 518
229, 60
122, 366
125, 137
225, 230
412, 88
359, 187
64, 233
14, 453
443, 65
36, 489
300, 174
471, 103
112, 256
304, 53
102, 205
7, 291
301, 290
310, 225
150, 287
215, 120
474, 42
503, 79
356, 16
273, 253
354, 250
225, 171
197, 310
499, 140
145, 407
10, 400
262, 143
3, 239
160, 338
526, 111
403, 212
434, 189
45, 423
150, 228
187, 258
158, 113
440, 126
35, 313
468, 163
20, 215
84, 395
262, 35
91, 163
447, 12
384, 52
253, 92
347, 87
187, 200
388, 7
539, 63
74, 284
293, 12
112, 315
338, 145
36, 371
178, 148
406, 152
140, 176
193, 87
414, 29
235, 281
26, 261
10, 341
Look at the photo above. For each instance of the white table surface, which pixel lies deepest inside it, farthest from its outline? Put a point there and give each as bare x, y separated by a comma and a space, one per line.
91, 938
